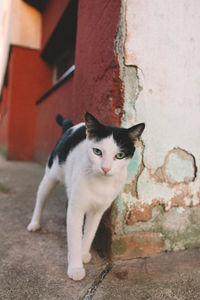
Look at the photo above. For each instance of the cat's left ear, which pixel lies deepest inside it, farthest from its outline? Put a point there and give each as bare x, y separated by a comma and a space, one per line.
91, 123
136, 131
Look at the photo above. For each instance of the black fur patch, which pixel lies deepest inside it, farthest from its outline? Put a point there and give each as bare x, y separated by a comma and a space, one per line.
120, 136
68, 141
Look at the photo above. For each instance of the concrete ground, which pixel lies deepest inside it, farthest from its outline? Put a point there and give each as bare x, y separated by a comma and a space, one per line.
33, 265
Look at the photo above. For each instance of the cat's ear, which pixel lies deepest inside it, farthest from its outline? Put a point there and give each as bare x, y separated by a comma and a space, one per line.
91, 124
136, 131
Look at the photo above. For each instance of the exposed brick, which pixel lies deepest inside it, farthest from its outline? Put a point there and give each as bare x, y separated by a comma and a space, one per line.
139, 212
140, 244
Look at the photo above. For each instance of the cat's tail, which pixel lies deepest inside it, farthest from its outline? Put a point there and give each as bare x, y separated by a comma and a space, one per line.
64, 123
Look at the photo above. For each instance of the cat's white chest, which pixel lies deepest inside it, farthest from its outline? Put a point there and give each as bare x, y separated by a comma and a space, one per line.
98, 192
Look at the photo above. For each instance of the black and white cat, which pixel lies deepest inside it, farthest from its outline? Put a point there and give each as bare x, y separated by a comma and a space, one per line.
91, 159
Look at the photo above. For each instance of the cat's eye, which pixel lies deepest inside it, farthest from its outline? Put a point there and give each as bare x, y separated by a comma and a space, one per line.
120, 155
97, 151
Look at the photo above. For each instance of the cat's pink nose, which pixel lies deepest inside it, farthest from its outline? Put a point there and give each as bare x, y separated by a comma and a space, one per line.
105, 170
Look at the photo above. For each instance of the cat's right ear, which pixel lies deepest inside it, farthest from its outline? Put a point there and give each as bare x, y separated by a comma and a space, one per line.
91, 124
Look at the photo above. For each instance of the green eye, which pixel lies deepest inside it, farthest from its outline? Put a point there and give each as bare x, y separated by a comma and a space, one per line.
120, 155
97, 151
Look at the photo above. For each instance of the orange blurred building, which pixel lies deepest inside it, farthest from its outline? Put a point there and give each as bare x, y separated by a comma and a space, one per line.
55, 57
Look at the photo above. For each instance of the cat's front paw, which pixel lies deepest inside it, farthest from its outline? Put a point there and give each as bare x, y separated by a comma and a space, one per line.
76, 273
86, 257
33, 226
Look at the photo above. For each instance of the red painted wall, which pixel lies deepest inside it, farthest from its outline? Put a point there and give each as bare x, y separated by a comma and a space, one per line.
29, 78
47, 130
97, 87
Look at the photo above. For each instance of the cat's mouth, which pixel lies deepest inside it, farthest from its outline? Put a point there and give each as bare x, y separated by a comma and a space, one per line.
106, 174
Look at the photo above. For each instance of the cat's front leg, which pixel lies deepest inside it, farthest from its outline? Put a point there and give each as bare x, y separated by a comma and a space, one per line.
75, 217
91, 225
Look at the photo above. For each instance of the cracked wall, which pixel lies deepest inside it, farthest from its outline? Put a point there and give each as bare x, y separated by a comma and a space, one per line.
159, 209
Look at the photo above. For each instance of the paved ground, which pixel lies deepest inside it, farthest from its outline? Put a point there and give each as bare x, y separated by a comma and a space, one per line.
33, 265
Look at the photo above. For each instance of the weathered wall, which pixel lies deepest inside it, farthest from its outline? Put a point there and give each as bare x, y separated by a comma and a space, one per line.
96, 79
159, 58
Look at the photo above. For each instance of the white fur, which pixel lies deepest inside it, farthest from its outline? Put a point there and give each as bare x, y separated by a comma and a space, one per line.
90, 192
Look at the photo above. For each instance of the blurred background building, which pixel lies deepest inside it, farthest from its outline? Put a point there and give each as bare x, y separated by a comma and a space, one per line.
41, 40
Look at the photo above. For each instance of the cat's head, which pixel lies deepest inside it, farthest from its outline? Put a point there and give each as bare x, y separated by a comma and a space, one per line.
110, 148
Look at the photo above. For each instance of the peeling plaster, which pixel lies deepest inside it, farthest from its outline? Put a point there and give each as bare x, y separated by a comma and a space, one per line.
162, 191
128, 74
131, 88
169, 173
169, 102
179, 167
151, 192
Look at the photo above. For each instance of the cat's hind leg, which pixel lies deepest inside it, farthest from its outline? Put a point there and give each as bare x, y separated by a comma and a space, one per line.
46, 186
91, 225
